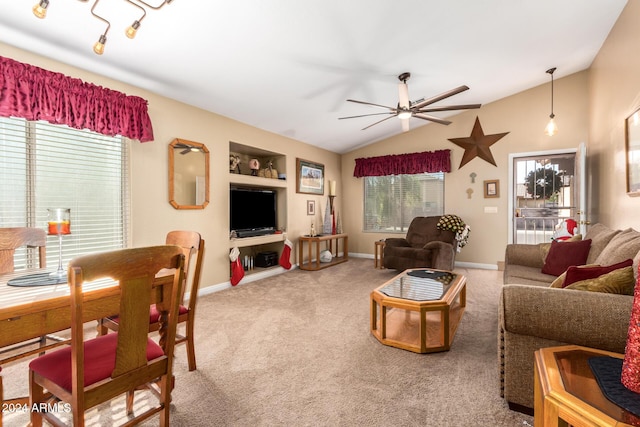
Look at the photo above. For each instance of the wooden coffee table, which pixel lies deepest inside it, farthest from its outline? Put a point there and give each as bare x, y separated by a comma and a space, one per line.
419, 310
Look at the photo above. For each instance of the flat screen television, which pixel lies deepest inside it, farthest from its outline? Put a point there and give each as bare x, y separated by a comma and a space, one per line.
252, 212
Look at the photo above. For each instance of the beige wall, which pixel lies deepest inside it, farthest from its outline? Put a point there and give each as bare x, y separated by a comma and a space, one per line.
152, 215
524, 116
614, 85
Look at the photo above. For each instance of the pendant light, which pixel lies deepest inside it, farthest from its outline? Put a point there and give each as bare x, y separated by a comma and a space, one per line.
551, 128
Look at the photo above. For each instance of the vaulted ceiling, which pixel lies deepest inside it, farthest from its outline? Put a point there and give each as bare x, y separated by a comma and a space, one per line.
289, 66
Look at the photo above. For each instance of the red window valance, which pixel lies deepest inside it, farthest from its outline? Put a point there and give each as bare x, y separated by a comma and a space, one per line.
36, 94
404, 164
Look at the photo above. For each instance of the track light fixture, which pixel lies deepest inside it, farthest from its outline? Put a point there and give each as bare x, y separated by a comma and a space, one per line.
551, 128
40, 11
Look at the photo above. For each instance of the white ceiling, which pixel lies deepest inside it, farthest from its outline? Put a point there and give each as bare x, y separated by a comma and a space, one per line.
288, 66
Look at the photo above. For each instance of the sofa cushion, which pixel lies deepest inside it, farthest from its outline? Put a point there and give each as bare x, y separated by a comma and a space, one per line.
578, 273
620, 281
622, 246
600, 236
545, 247
562, 255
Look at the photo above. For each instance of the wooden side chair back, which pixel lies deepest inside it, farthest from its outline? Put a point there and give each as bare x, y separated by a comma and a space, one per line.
17, 237
192, 245
93, 371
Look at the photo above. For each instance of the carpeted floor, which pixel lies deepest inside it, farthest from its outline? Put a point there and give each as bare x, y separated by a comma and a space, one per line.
296, 350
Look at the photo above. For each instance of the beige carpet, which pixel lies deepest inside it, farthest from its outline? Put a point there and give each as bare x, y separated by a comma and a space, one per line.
296, 350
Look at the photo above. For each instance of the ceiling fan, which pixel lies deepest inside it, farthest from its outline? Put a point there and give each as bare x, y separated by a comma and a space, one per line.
186, 148
418, 109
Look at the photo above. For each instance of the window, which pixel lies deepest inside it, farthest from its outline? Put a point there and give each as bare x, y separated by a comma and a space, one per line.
391, 202
51, 166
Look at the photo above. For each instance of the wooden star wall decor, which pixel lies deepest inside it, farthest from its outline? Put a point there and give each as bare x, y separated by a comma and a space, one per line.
477, 145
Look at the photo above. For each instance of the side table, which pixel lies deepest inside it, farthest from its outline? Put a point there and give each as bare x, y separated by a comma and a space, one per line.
566, 392
378, 254
313, 262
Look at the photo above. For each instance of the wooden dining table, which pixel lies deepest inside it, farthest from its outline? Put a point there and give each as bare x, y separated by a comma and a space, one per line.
28, 313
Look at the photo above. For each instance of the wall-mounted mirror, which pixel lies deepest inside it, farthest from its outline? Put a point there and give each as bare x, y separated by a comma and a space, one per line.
188, 174
632, 136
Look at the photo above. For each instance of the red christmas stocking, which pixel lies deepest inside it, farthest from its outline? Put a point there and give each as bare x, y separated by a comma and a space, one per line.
237, 272
286, 254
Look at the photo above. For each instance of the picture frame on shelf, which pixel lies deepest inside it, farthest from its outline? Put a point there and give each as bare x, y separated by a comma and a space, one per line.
311, 207
309, 177
491, 188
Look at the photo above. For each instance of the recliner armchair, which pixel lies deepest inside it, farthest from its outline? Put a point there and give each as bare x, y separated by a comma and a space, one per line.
425, 246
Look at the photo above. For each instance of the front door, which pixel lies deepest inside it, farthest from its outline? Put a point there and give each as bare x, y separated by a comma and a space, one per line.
547, 188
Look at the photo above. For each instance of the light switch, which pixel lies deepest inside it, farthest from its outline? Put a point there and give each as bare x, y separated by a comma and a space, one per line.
490, 209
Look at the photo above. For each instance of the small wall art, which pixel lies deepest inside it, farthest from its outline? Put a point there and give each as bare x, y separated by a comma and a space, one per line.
491, 188
311, 207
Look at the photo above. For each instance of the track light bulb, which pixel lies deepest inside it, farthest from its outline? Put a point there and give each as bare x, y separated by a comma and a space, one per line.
40, 9
133, 29
551, 128
98, 48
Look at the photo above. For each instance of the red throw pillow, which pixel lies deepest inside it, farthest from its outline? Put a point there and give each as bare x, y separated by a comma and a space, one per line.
563, 255
576, 274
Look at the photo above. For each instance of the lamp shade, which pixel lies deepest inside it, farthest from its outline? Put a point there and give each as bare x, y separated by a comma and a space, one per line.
630, 376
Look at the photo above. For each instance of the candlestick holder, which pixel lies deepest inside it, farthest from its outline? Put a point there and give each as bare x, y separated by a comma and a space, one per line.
59, 224
331, 203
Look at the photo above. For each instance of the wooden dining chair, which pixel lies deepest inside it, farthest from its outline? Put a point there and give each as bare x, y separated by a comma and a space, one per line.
93, 371
18, 237
192, 245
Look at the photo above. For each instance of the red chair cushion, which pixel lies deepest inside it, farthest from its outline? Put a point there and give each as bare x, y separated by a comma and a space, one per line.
154, 314
99, 361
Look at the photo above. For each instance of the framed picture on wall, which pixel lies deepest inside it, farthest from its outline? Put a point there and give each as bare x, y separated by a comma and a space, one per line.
311, 207
309, 177
491, 188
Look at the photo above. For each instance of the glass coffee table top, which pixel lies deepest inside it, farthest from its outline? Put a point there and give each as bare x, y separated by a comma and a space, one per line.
420, 285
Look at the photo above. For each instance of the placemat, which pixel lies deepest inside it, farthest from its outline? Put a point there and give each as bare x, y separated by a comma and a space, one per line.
37, 279
607, 371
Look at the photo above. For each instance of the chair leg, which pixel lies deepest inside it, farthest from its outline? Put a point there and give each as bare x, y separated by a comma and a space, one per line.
36, 395
191, 350
129, 402
1, 397
165, 400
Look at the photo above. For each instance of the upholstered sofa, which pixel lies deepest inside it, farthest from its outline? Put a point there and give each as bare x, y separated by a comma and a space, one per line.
425, 245
533, 315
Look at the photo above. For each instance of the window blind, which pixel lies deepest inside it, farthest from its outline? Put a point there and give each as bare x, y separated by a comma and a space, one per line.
391, 202
51, 166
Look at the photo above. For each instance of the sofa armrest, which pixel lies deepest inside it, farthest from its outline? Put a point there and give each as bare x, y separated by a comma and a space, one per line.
591, 319
523, 254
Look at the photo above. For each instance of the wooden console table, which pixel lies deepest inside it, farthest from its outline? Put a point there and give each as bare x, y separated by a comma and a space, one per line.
313, 262
566, 392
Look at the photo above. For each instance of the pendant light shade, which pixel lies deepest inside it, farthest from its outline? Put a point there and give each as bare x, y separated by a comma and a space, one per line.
551, 128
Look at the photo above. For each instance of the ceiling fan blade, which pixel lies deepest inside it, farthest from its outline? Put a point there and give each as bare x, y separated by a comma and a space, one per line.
185, 151
449, 108
371, 103
405, 125
440, 97
432, 119
379, 121
403, 95
364, 115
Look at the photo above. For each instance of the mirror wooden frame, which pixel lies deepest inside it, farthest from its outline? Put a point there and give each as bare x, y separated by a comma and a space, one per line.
632, 151
181, 144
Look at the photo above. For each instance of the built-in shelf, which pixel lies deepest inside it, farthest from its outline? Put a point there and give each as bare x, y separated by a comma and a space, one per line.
244, 242
251, 246
256, 181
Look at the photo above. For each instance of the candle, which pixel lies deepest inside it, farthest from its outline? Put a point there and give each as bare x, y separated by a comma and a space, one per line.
332, 188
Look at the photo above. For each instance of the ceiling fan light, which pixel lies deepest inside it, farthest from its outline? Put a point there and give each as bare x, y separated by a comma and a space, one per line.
98, 48
403, 115
40, 9
133, 29
551, 128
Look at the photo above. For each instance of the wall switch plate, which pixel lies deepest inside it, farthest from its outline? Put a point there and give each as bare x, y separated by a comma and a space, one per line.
490, 209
